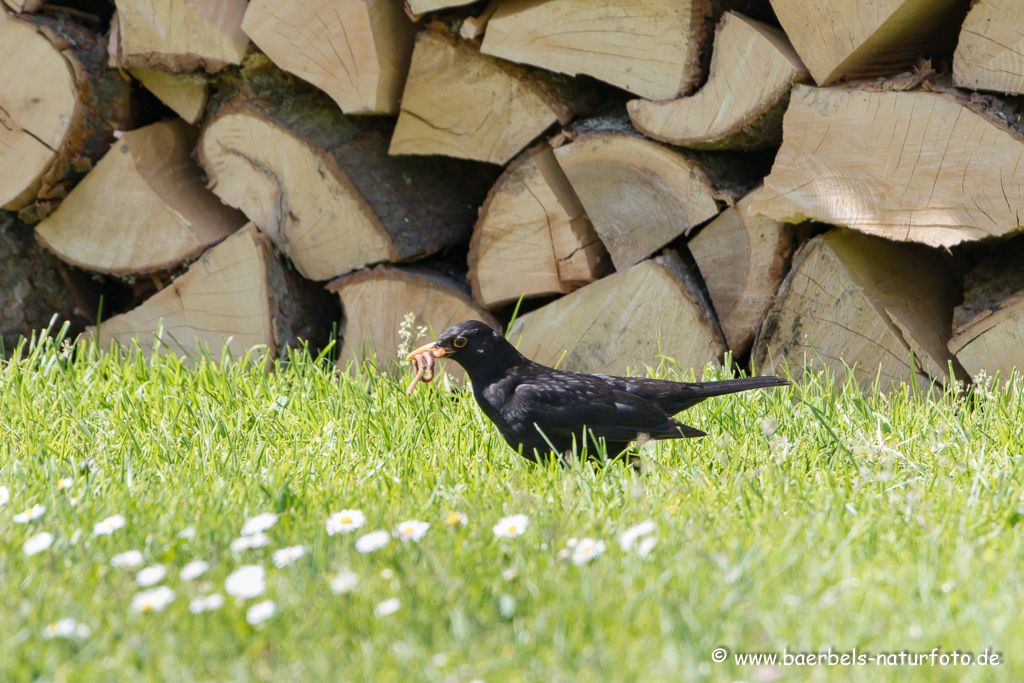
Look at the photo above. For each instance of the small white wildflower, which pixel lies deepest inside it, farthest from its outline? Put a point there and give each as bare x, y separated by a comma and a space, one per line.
586, 550
456, 518
510, 573
564, 555
345, 521
151, 575
411, 530
66, 628
5, 495
38, 543
206, 603
129, 559
344, 581
287, 556
194, 570
260, 612
188, 533
375, 540
65, 483
107, 526
153, 600
644, 548
571, 542
439, 660
387, 574
256, 540
259, 523
514, 525
387, 607
246, 582
631, 535
34, 512
768, 426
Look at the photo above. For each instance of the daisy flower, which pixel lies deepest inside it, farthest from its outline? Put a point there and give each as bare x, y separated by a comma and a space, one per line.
206, 603
107, 526
194, 570
375, 540
153, 600
345, 521
5, 495
246, 582
66, 628
387, 607
260, 612
507, 527
586, 550
411, 530
129, 559
644, 548
344, 582
188, 533
151, 575
456, 518
65, 483
286, 557
259, 523
256, 540
38, 543
34, 512
631, 535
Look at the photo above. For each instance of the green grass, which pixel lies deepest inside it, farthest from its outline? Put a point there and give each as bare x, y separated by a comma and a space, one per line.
881, 524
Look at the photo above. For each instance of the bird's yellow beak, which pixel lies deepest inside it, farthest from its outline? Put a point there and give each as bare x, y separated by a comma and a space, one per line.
432, 347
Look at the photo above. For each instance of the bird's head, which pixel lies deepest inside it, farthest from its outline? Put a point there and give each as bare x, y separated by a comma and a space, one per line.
471, 344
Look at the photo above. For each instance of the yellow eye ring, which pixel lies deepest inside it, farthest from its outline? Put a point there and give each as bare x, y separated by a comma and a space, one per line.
459, 342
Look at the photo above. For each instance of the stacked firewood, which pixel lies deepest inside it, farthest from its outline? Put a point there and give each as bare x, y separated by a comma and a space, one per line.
633, 182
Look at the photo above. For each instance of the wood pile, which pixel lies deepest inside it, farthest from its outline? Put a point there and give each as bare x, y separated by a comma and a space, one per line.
633, 183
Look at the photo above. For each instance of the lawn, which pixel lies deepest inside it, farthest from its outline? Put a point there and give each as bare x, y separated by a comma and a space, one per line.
810, 519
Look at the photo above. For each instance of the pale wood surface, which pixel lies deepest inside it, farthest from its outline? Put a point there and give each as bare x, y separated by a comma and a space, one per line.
649, 47
186, 95
144, 207
23, 5
919, 166
424, 6
993, 341
179, 35
753, 68
357, 51
533, 237
743, 259
851, 39
882, 308
625, 323
990, 53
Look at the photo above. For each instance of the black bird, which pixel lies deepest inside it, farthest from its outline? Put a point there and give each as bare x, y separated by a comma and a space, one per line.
539, 409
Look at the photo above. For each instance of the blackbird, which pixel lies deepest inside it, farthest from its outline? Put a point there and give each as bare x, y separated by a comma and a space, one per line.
540, 410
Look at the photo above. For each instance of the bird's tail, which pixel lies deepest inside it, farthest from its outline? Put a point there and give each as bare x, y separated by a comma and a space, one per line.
731, 386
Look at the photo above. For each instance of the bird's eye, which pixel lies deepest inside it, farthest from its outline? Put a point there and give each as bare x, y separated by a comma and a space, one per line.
459, 342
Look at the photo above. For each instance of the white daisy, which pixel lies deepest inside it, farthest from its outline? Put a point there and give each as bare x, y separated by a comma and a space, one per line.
129, 559
65, 483
456, 518
375, 540
255, 525
246, 582
38, 543
34, 512
344, 582
631, 535
387, 574
151, 575
66, 628
188, 533
586, 550
206, 603
109, 525
194, 570
5, 495
345, 521
261, 611
387, 607
507, 527
153, 600
256, 540
411, 530
286, 557
644, 548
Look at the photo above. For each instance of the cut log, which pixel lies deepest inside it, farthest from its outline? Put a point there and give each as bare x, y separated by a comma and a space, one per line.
743, 259
533, 237
922, 166
322, 185
357, 51
144, 207
23, 5
178, 35
35, 287
59, 108
850, 40
882, 309
990, 54
185, 94
640, 194
374, 306
655, 311
460, 103
753, 68
420, 7
473, 27
237, 296
651, 48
